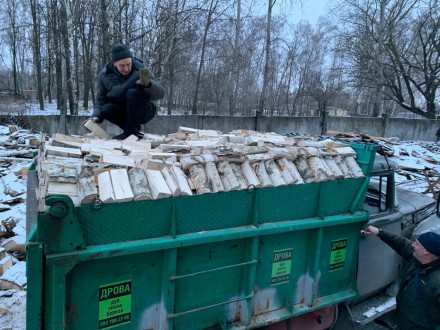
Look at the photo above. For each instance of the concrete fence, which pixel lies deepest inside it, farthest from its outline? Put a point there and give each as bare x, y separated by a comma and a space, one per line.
404, 129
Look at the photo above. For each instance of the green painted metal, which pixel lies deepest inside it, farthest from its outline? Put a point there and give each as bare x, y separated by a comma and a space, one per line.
239, 260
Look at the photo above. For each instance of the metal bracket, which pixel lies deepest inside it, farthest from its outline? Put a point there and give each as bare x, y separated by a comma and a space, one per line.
59, 230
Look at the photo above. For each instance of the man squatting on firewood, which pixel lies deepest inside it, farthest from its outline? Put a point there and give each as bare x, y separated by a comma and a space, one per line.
418, 299
128, 95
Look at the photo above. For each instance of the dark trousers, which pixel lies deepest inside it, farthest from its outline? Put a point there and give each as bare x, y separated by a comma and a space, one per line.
136, 109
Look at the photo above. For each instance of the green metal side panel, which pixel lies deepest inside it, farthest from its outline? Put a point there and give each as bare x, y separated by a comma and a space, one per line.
237, 260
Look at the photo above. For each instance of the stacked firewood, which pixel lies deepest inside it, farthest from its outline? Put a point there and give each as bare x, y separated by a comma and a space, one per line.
185, 163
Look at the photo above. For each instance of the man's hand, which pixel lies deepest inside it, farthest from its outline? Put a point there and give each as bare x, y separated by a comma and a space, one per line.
370, 231
145, 76
95, 120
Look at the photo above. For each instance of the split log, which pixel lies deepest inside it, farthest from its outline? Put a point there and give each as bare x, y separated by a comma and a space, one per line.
206, 143
285, 173
105, 188
274, 173
343, 167
317, 168
117, 160
354, 167
98, 130
281, 153
60, 172
121, 185
188, 161
169, 179
236, 169
250, 150
62, 140
5, 264
331, 163
181, 180
258, 157
174, 147
227, 175
15, 244
249, 175
263, 177
207, 133
321, 144
199, 179
308, 152
345, 151
158, 185
63, 151
57, 188
87, 191
304, 169
214, 179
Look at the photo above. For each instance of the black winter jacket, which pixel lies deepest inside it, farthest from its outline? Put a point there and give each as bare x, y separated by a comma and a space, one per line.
112, 86
418, 300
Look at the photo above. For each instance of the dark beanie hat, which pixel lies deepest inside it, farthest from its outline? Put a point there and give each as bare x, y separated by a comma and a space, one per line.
119, 52
431, 242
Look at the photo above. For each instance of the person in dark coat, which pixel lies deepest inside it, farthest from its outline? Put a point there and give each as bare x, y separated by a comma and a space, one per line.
418, 299
127, 95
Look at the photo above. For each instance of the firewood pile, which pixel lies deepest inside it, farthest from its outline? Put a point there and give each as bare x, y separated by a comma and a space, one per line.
188, 162
17, 148
418, 161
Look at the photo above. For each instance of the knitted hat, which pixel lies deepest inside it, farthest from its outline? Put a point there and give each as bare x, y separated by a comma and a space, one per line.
431, 242
119, 52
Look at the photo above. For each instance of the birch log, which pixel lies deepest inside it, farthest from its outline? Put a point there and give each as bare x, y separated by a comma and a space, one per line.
172, 184
249, 174
354, 167
303, 168
182, 181
239, 175
285, 173
188, 161
87, 191
139, 184
263, 177
317, 168
274, 173
229, 179
343, 166
214, 179
158, 185
331, 163
199, 179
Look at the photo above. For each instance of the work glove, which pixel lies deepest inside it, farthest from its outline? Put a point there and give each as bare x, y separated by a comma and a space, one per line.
96, 120
145, 76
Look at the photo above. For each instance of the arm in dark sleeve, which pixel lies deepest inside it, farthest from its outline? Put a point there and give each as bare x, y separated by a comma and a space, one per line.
398, 243
155, 91
118, 91
100, 97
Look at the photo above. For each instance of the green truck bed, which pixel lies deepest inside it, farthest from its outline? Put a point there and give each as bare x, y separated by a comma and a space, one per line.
233, 260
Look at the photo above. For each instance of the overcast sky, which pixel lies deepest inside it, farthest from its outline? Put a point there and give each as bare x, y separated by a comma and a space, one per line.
311, 10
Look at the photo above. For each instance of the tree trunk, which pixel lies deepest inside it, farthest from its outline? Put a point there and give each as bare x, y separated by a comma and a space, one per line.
37, 51
262, 100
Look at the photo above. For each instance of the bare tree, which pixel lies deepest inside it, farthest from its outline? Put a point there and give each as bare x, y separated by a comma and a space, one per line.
36, 32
